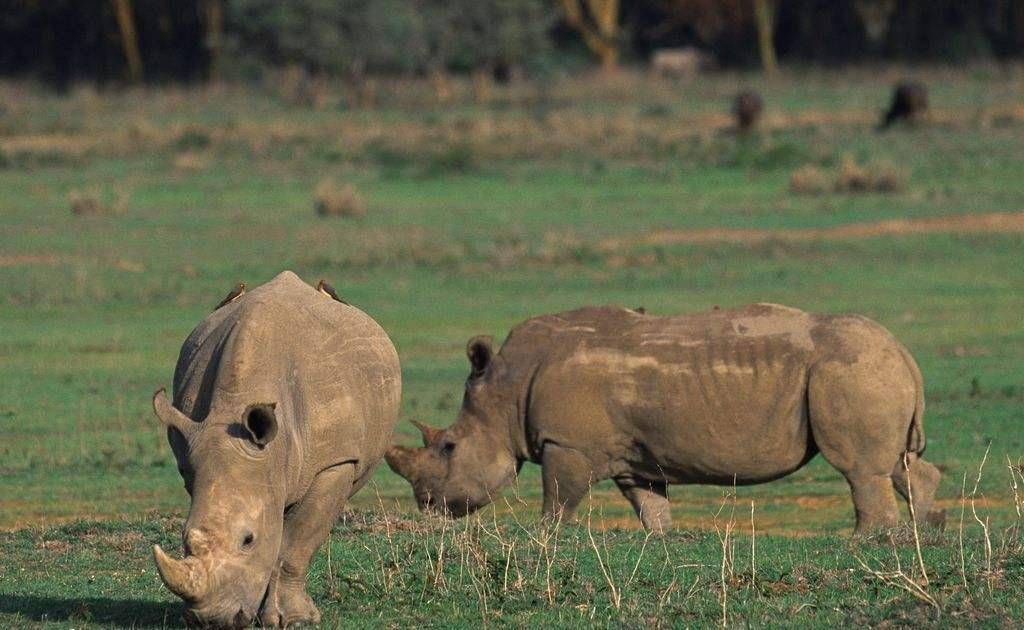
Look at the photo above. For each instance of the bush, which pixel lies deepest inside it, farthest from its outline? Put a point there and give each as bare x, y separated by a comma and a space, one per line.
357, 37
333, 200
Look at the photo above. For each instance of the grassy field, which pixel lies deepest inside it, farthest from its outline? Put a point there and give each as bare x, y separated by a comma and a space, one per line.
625, 190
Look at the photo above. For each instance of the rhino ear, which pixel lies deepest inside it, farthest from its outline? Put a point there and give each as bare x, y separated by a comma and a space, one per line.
261, 423
479, 350
170, 416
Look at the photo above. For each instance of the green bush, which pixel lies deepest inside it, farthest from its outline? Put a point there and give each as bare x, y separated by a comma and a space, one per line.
353, 37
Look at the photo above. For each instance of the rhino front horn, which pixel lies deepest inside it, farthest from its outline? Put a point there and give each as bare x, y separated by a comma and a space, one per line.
428, 432
185, 578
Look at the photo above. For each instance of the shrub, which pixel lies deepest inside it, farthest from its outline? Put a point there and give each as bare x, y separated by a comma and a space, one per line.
332, 200
808, 180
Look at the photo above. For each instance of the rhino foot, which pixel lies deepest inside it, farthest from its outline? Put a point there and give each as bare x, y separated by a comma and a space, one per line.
937, 519
294, 608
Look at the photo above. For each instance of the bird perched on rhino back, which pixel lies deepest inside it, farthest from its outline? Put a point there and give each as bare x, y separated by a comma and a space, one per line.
235, 293
747, 107
284, 403
909, 104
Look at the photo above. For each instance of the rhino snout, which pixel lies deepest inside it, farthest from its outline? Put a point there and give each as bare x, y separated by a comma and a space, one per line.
206, 618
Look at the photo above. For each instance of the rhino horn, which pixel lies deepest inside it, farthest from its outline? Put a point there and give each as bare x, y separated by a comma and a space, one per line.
171, 416
400, 459
185, 578
429, 433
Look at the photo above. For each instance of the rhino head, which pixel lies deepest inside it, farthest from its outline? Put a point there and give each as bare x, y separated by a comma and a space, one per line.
462, 468
232, 536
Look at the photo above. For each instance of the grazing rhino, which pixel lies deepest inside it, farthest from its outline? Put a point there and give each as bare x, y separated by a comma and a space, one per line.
723, 397
284, 403
909, 103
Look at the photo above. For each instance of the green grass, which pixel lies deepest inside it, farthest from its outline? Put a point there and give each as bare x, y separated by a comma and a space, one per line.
469, 234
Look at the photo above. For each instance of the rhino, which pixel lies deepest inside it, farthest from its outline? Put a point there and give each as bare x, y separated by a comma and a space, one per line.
285, 400
730, 396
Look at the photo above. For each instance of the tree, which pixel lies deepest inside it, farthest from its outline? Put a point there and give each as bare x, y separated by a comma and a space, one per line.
597, 22
129, 40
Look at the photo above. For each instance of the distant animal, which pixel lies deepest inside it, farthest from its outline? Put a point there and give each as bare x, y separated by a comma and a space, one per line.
232, 295
329, 291
732, 396
284, 404
680, 62
909, 103
747, 107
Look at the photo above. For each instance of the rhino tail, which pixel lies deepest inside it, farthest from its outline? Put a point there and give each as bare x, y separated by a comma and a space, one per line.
915, 433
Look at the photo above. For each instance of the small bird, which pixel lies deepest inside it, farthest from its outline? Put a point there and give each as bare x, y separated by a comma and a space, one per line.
329, 291
235, 293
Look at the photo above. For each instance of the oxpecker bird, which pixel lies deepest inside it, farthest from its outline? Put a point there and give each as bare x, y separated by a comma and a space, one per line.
329, 291
235, 293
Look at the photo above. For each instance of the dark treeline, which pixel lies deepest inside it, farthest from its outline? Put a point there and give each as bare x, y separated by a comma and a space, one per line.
63, 41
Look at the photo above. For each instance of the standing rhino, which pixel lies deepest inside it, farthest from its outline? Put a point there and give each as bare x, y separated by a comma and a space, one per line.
284, 402
738, 396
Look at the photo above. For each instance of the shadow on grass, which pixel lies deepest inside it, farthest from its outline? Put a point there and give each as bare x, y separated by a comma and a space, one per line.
133, 613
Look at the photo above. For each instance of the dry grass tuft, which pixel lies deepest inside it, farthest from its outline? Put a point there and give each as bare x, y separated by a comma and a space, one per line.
332, 200
93, 201
190, 162
808, 180
850, 177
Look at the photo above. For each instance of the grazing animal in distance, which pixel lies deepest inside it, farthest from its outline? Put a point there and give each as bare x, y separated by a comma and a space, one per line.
731, 396
284, 404
747, 107
909, 103
232, 295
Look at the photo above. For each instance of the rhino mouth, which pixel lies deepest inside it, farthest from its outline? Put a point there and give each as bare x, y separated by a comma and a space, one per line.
197, 619
456, 509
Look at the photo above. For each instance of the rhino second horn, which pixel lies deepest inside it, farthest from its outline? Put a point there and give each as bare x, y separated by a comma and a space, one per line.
429, 433
185, 578
399, 459
171, 416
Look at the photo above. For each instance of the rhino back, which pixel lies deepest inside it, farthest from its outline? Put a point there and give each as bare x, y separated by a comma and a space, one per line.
330, 368
708, 397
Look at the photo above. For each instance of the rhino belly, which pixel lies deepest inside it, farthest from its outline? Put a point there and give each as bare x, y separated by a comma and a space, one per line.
734, 424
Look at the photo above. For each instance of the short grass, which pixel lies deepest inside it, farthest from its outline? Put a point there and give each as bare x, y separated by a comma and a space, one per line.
479, 216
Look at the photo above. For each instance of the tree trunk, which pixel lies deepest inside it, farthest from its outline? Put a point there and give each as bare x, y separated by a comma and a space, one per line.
601, 37
214, 19
763, 10
129, 40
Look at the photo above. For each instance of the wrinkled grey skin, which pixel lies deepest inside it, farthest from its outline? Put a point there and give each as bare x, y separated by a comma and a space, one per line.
284, 402
738, 396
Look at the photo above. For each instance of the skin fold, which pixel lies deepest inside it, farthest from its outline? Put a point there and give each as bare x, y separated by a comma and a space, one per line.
284, 403
741, 396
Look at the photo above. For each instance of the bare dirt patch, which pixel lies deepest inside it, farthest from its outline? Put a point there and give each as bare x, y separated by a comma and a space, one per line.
29, 260
993, 222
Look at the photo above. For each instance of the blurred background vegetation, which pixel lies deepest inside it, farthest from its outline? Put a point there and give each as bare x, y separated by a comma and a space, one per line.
67, 41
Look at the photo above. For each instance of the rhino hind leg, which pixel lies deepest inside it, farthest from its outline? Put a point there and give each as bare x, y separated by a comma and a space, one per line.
921, 484
567, 475
650, 502
859, 414
306, 527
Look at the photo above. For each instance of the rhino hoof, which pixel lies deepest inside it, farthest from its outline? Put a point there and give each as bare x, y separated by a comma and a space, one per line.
937, 519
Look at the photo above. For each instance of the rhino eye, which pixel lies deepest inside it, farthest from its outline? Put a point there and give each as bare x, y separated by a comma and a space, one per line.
447, 448
248, 539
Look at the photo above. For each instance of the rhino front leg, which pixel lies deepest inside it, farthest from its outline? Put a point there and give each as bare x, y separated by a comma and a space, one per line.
649, 500
305, 529
567, 476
